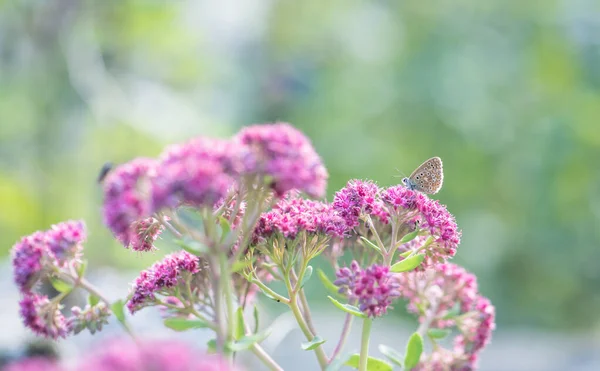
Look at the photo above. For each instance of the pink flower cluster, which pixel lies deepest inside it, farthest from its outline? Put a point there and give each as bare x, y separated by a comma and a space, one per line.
150, 355
37, 254
357, 199
161, 278
202, 171
405, 208
37, 257
433, 295
374, 288
124, 354
293, 214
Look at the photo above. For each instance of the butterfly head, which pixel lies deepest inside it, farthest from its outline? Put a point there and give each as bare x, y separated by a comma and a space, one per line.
409, 183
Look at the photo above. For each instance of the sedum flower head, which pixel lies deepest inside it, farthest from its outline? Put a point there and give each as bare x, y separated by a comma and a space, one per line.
357, 199
36, 255
293, 214
43, 316
374, 288
91, 317
151, 355
447, 296
141, 234
283, 153
410, 210
197, 173
127, 195
160, 278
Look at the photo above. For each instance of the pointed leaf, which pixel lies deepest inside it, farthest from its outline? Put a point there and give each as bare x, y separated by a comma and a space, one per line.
371, 244
315, 342
225, 227
406, 253
409, 236
191, 246
241, 265
391, 354
408, 264
240, 328
211, 346
307, 274
118, 311
452, 312
256, 322
247, 341
82, 268
373, 364
60, 285
414, 348
93, 300
330, 286
438, 333
183, 324
348, 308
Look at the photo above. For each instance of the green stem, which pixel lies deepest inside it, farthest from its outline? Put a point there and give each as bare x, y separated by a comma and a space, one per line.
265, 358
345, 332
364, 344
319, 352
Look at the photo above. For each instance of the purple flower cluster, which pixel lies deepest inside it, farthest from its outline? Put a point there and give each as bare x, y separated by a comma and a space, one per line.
286, 155
43, 317
294, 214
34, 256
374, 288
127, 195
196, 173
141, 235
357, 199
151, 355
411, 209
160, 278
433, 295
203, 171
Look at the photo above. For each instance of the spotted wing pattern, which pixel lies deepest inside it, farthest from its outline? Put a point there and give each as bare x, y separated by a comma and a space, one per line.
428, 177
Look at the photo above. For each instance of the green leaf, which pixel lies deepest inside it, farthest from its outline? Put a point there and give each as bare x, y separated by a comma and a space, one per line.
437, 333
240, 328
191, 246
256, 319
337, 363
391, 354
241, 265
452, 312
211, 346
414, 348
409, 236
408, 264
373, 364
329, 286
225, 227
60, 285
93, 300
406, 253
371, 244
183, 324
307, 274
118, 311
348, 308
82, 268
247, 341
315, 342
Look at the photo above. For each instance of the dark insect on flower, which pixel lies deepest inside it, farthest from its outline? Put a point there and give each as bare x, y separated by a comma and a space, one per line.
106, 168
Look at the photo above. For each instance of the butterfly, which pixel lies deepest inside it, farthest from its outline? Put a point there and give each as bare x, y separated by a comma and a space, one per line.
427, 178
106, 168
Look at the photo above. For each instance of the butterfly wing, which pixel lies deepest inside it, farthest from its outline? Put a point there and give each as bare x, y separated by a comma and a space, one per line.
429, 177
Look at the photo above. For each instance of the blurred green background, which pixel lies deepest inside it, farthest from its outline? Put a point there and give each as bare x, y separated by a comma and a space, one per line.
507, 93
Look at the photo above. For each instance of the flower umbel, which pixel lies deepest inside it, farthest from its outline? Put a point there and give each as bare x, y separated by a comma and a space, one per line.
374, 288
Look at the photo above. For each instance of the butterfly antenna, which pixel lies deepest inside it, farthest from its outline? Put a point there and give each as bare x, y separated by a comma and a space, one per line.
399, 176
